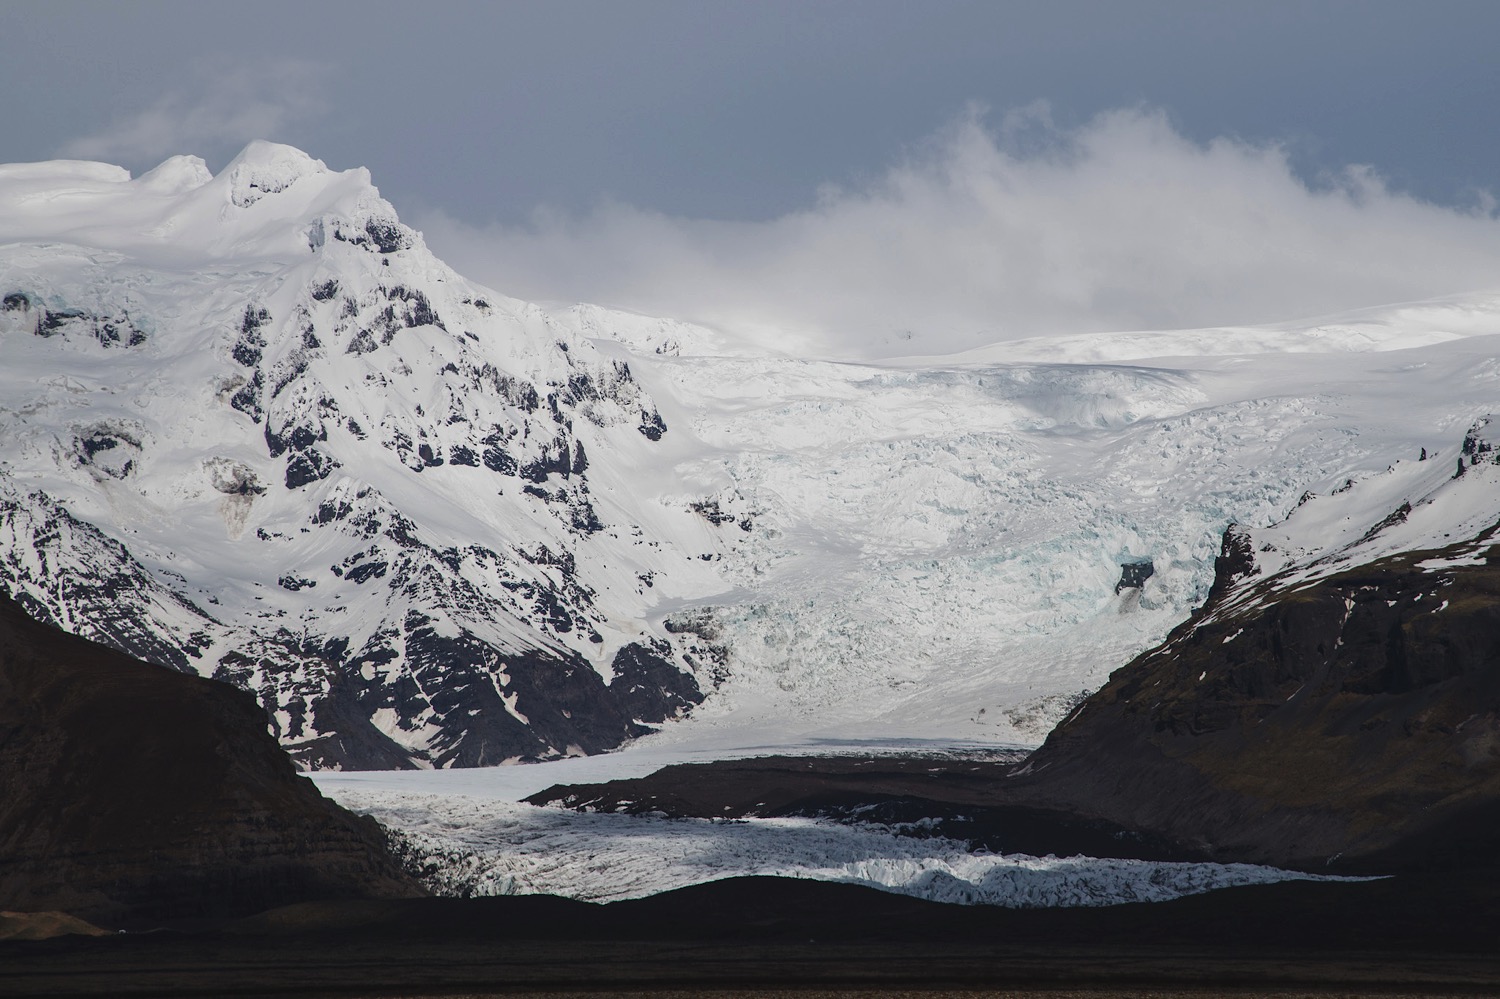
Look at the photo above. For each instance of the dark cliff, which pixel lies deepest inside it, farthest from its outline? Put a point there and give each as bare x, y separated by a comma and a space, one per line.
1349, 723
131, 793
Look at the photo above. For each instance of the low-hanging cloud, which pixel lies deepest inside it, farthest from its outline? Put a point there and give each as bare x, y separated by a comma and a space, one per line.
994, 233
217, 109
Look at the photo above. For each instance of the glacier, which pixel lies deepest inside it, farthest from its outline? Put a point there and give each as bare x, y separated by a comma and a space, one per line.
250, 426
469, 845
937, 543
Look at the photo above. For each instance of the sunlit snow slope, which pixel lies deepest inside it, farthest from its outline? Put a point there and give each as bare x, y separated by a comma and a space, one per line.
250, 426
935, 548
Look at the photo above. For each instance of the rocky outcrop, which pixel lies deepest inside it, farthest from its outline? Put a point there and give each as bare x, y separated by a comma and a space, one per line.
1351, 723
1336, 701
1133, 575
131, 793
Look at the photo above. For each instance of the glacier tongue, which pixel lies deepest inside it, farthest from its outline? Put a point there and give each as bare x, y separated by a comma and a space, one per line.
250, 426
471, 847
934, 548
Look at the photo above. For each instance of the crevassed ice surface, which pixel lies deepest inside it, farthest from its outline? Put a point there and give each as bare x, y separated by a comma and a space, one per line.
935, 544
921, 549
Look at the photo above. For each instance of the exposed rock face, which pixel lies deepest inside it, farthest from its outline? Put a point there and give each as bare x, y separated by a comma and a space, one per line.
129, 793
1133, 575
1351, 722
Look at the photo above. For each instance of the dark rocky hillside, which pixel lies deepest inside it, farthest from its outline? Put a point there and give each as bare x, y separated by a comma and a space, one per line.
131, 793
1416, 935
1350, 723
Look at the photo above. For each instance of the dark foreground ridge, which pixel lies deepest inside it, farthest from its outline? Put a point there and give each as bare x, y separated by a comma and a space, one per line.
131, 793
1413, 935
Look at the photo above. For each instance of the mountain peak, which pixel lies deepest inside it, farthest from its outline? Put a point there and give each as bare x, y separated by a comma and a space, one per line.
265, 168
261, 205
176, 175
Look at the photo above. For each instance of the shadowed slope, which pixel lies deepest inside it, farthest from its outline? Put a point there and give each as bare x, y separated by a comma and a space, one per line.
1415, 934
130, 792
1347, 724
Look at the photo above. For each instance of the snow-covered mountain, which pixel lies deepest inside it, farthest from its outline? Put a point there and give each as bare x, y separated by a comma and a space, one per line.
254, 429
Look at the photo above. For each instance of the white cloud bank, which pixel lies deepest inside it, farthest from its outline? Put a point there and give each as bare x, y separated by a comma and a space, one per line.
994, 234
218, 108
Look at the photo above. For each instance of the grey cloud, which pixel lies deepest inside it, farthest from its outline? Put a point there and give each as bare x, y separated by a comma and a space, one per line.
216, 108
987, 234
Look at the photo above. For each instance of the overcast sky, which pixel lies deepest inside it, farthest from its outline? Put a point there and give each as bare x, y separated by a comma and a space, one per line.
701, 158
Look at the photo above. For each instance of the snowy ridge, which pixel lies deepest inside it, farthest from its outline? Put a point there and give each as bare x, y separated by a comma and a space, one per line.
1447, 505
1398, 327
